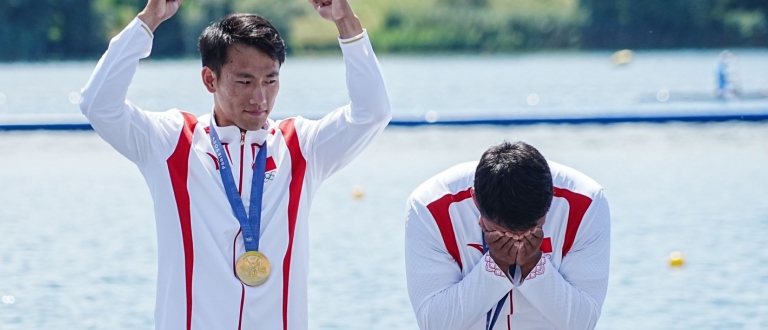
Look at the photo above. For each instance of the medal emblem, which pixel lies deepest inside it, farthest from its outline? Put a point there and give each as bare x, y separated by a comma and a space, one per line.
252, 268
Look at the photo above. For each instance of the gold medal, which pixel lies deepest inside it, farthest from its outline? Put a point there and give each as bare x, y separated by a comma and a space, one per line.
252, 268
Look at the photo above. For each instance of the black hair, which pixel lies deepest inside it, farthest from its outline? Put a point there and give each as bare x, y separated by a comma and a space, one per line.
513, 185
247, 29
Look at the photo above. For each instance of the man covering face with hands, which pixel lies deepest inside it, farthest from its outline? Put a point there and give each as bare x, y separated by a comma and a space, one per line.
516, 252
510, 242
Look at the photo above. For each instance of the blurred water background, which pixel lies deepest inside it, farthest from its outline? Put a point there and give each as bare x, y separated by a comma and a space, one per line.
77, 237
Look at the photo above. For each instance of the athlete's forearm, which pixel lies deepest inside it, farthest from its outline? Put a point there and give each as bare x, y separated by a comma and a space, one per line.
442, 297
107, 88
340, 136
349, 27
564, 305
575, 303
365, 82
465, 303
134, 133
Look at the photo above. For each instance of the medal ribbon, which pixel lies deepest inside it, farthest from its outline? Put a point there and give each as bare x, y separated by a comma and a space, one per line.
516, 274
251, 226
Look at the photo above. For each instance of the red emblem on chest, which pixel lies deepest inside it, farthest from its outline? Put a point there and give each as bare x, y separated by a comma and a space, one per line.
546, 245
270, 165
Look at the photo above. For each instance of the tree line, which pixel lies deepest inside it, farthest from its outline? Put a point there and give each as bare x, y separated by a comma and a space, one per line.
79, 29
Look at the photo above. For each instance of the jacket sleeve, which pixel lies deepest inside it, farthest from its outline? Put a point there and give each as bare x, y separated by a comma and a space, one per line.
137, 134
336, 139
572, 297
441, 296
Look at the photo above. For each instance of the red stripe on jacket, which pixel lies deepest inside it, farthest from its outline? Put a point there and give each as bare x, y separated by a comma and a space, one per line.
439, 209
442, 216
578, 205
298, 169
178, 168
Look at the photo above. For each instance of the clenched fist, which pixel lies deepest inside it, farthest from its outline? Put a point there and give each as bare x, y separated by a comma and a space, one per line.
339, 12
157, 11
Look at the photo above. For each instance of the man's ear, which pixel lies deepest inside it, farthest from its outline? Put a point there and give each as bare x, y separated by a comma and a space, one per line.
474, 199
209, 79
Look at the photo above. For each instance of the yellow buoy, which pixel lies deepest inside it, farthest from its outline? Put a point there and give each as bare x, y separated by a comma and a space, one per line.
358, 192
622, 57
676, 259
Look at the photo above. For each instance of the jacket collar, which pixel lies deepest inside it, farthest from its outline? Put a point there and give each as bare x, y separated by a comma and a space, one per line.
232, 134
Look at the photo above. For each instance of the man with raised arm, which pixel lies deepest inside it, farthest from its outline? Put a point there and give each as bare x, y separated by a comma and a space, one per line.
232, 189
509, 242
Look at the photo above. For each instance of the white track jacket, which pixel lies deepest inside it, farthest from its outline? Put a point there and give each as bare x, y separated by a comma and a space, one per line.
452, 284
198, 236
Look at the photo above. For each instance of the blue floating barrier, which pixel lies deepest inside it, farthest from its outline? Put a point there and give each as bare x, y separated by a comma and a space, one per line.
605, 120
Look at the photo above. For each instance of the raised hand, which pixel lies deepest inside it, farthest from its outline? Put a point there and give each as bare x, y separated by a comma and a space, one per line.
157, 11
339, 12
332, 10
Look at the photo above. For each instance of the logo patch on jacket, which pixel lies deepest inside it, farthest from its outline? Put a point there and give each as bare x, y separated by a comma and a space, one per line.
270, 171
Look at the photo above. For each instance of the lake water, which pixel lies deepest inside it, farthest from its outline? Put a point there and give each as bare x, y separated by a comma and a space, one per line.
78, 241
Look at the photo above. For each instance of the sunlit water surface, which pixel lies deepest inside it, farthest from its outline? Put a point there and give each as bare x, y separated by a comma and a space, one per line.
78, 241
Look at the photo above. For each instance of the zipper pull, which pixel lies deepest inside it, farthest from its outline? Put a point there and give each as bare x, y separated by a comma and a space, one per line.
242, 138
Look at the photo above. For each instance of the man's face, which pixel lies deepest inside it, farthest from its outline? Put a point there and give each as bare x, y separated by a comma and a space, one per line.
245, 90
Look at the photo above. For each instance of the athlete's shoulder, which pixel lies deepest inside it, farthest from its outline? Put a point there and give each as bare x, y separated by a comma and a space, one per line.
454, 180
171, 120
204, 120
297, 120
565, 177
296, 124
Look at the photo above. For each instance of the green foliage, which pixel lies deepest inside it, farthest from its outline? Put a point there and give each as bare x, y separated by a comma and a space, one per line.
475, 30
465, 3
279, 13
675, 23
33, 30
62, 29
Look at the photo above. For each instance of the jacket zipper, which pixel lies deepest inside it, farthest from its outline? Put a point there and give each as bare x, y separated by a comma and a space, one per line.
242, 157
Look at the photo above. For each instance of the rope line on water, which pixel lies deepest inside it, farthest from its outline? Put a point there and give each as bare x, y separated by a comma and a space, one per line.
605, 120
